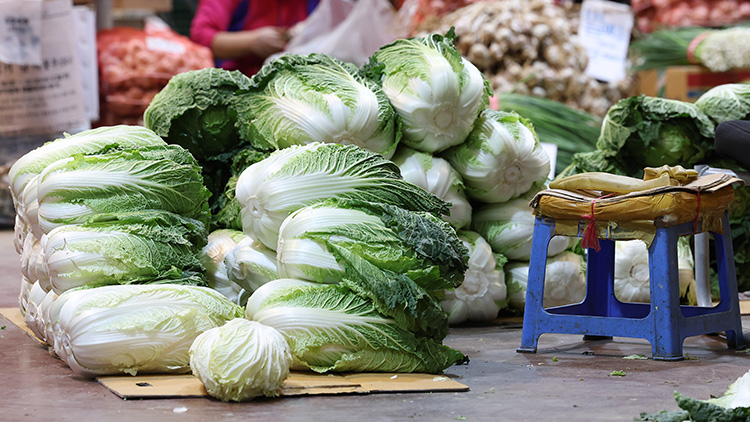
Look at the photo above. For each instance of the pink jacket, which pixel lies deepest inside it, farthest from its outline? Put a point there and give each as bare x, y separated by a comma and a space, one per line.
214, 16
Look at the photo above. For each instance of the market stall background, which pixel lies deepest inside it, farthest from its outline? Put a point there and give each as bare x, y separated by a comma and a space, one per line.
557, 81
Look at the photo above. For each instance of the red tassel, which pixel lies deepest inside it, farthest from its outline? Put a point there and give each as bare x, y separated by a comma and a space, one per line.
590, 238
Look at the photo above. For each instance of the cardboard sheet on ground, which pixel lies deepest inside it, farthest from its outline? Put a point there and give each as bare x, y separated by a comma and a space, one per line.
298, 384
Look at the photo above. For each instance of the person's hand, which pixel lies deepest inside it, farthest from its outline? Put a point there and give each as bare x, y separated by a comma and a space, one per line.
268, 40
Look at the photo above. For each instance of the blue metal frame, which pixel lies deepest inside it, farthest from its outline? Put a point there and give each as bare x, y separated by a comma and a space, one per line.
664, 322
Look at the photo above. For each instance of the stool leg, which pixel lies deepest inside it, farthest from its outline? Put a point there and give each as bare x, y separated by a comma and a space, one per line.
534, 310
600, 279
728, 283
666, 340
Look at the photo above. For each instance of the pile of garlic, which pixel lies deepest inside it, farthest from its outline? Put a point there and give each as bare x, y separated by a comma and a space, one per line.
531, 47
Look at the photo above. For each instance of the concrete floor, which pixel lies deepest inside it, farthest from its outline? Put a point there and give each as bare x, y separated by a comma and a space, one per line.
568, 380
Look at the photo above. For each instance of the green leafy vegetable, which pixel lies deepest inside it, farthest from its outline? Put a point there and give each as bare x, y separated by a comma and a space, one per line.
151, 178
220, 243
197, 110
643, 131
241, 360
329, 328
573, 131
508, 228
92, 141
127, 248
418, 245
437, 93
726, 102
435, 175
136, 329
482, 292
289, 179
501, 159
297, 99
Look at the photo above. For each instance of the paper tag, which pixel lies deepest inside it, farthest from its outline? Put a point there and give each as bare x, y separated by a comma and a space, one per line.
164, 45
21, 32
604, 31
45, 98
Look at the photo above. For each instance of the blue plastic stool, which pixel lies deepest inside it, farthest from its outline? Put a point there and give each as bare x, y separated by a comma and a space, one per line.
664, 322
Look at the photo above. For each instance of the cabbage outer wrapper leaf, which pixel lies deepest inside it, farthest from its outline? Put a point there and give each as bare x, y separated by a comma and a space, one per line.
195, 110
160, 178
297, 99
94, 141
136, 329
435, 175
509, 227
644, 131
482, 292
289, 179
241, 360
437, 93
502, 158
329, 328
418, 245
125, 249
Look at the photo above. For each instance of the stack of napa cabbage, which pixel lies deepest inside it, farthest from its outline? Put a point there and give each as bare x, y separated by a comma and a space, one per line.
110, 225
417, 102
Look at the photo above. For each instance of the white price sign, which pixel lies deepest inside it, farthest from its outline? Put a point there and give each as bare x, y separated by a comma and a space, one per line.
21, 32
604, 31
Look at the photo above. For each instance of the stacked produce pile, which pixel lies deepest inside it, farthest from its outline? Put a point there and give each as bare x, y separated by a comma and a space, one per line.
531, 47
643, 131
110, 224
342, 259
651, 15
719, 50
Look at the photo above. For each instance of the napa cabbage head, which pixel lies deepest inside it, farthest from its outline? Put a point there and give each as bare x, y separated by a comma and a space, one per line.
297, 99
726, 102
644, 131
291, 178
508, 227
436, 92
631, 271
435, 175
241, 360
564, 282
482, 292
92, 141
136, 329
419, 245
128, 248
197, 111
220, 243
394, 257
250, 264
150, 178
329, 328
502, 159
